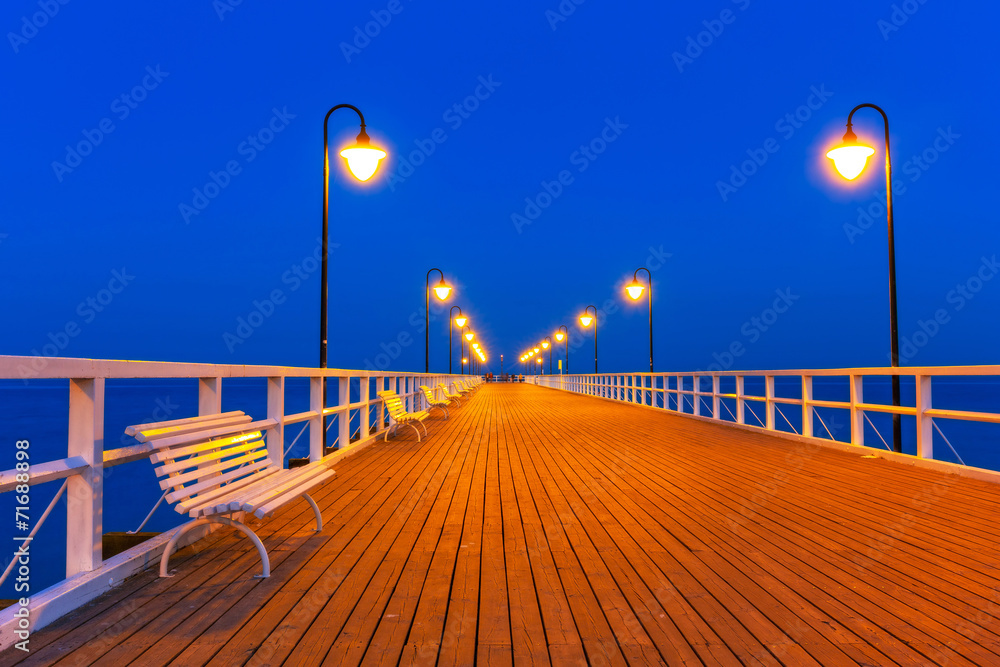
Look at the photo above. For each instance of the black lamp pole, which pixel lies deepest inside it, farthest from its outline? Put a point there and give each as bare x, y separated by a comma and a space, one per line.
451, 334
897, 430
565, 331
427, 319
324, 273
649, 299
586, 310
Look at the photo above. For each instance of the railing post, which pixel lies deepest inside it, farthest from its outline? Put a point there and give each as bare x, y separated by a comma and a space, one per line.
769, 402
365, 424
740, 402
209, 396
680, 396
857, 414
715, 396
696, 396
276, 411
807, 397
316, 423
85, 491
344, 416
925, 424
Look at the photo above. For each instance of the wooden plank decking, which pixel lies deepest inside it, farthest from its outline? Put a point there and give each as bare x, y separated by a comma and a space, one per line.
541, 527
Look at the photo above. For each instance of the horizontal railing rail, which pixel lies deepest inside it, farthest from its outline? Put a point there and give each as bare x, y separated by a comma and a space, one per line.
687, 393
86, 459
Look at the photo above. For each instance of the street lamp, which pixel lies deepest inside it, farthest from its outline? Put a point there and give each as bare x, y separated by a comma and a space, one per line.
586, 320
362, 160
460, 321
562, 334
850, 159
547, 345
635, 290
441, 291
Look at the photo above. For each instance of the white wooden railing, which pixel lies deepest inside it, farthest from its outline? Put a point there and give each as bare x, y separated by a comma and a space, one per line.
700, 395
82, 468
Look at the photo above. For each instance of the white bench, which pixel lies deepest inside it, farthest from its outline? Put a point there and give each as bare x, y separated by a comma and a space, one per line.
218, 464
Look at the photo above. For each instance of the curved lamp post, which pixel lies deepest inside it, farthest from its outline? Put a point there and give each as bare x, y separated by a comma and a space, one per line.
850, 159
362, 160
547, 345
452, 320
441, 291
635, 290
586, 320
562, 334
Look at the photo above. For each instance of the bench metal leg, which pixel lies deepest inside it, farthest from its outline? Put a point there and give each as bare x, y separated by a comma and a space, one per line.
415, 429
319, 516
172, 544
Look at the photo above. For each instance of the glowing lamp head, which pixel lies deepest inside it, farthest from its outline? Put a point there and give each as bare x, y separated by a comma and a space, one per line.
539, 360
560, 336
442, 290
545, 344
635, 289
470, 336
585, 320
465, 361
460, 321
362, 158
475, 346
536, 350
851, 156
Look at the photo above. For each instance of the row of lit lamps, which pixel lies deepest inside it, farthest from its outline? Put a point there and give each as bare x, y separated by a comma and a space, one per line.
442, 290
634, 289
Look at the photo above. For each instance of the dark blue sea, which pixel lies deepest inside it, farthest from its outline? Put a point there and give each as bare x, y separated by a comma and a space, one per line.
38, 411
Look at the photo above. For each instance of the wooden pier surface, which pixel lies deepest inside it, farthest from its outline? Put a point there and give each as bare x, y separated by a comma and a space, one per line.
540, 527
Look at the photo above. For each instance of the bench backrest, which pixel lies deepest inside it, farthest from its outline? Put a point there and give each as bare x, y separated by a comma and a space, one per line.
444, 388
427, 392
393, 403
201, 458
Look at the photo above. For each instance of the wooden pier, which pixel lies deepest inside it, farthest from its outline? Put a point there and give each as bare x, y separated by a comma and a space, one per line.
542, 527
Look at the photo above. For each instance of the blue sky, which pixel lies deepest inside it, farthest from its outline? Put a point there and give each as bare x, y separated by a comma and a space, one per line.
689, 136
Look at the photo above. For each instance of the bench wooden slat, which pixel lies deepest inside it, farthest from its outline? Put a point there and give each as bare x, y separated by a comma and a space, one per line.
191, 438
176, 480
194, 489
212, 451
152, 435
206, 500
290, 478
291, 494
137, 428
